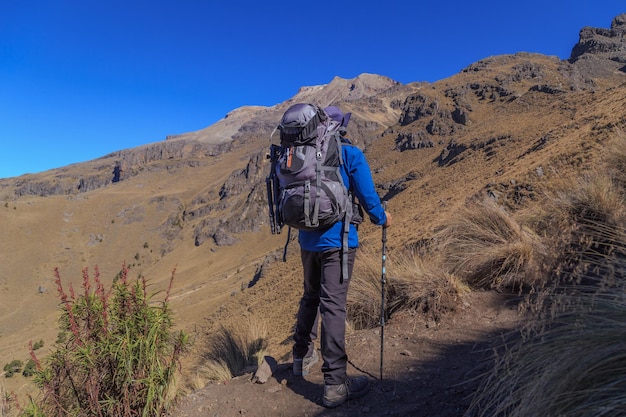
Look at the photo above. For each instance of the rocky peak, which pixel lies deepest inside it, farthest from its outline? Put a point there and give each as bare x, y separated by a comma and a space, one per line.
342, 89
606, 44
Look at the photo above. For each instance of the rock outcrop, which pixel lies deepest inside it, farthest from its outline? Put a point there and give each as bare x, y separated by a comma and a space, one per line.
600, 52
604, 43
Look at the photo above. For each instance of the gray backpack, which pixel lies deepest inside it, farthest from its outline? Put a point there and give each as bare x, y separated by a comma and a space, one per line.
305, 188
309, 190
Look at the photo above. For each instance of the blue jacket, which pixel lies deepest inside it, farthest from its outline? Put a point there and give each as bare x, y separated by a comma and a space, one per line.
358, 178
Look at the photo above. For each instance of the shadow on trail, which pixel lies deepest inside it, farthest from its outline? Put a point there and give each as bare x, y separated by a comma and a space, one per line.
442, 386
424, 375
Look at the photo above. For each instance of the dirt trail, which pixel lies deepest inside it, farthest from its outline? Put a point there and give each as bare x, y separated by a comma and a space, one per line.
428, 370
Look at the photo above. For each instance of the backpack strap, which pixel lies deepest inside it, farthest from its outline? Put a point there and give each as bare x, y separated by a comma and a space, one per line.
345, 233
307, 205
318, 182
319, 168
286, 244
340, 141
344, 243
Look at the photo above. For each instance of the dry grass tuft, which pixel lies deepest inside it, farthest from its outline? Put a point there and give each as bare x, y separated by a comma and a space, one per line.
594, 217
616, 159
486, 247
235, 350
597, 198
212, 370
413, 284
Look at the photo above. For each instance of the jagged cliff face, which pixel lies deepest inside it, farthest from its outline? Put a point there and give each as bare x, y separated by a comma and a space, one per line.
602, 43
601, 52
504, 126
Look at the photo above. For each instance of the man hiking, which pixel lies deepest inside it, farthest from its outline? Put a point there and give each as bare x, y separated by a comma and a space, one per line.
326, 287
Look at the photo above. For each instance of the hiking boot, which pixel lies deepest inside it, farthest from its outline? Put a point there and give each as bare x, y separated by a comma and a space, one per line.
355, 387
302, 366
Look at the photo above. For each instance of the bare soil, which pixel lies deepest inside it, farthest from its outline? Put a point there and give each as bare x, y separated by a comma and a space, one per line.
429, 369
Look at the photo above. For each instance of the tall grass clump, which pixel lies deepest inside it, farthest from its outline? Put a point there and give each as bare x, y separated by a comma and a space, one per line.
5, 400
616, 159
121, 356
234, 350
596, 215
570, 359
413, 285
597, 198
487, 248
571, 362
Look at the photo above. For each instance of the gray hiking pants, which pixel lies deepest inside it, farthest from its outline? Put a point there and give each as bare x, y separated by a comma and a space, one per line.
324, 289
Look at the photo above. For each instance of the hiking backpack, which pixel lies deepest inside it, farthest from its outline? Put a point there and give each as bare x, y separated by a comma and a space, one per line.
305, 186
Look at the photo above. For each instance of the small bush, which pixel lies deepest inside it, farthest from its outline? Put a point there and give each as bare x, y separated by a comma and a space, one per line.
30, 368
120, 357
6, 401
12, 368
61, 337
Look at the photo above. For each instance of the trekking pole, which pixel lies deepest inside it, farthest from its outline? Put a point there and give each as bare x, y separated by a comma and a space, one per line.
270, 203
273, 187
383, 280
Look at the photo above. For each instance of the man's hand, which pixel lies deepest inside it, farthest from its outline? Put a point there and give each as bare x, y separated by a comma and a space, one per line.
389, 219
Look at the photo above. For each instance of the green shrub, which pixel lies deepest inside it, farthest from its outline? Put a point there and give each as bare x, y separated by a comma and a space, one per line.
61, 337
14, 367
120, 357
30, 368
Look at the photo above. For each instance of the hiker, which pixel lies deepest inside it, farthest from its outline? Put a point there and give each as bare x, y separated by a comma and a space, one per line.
325, 287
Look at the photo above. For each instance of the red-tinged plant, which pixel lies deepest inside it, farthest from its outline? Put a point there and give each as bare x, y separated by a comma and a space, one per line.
120, 358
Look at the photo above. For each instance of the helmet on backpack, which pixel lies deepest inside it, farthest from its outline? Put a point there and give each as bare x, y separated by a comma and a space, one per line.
300, 122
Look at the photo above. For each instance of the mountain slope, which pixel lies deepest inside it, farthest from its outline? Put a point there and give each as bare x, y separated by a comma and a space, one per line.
512, 127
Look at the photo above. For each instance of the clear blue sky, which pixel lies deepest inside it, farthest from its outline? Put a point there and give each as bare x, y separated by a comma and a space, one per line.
80, 79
